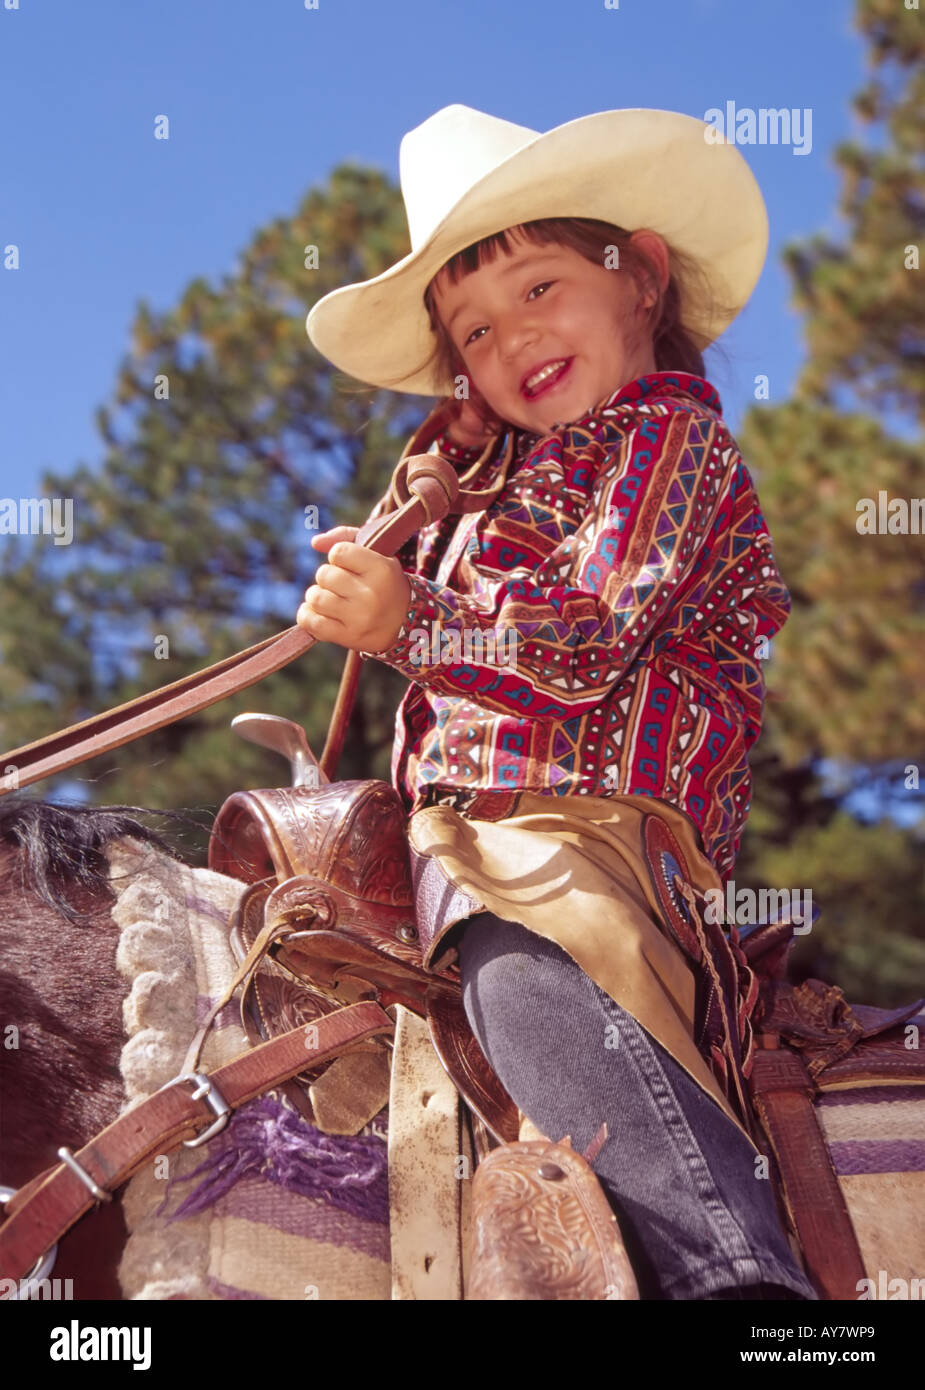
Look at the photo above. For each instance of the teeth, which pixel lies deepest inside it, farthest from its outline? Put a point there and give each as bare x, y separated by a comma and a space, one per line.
543, 374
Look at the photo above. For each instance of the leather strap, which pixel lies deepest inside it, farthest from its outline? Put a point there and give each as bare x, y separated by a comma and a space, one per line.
265, 939
45, 1209
428, 488
784, 1094
468, 500
430, 1167
146, 713
340, 717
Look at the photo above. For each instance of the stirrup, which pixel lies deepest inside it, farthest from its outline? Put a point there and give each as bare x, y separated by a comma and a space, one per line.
542, 1228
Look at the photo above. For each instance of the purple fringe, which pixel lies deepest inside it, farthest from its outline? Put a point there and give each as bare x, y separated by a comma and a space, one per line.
268, 1139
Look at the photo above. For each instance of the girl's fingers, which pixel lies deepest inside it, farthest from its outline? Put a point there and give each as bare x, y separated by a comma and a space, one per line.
336, 581
328, 603
323, 606
348, 556
325, 539
343, 554
361, 561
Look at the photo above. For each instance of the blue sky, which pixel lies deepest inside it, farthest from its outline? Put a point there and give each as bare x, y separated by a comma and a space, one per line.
264, 99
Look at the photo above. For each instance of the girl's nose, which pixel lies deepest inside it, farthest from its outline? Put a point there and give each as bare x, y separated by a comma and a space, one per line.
514, 335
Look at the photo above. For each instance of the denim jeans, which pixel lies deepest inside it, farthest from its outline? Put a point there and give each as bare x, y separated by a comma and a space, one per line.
681, 1177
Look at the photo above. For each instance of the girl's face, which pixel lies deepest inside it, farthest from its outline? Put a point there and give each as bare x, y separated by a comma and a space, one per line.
547, 307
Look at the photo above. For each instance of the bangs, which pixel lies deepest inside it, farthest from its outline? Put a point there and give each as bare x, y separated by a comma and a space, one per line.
485, 251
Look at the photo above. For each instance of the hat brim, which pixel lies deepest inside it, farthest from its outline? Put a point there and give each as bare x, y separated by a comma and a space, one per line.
635, 168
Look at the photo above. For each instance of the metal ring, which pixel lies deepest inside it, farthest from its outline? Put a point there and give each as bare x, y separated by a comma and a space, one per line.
43, 1265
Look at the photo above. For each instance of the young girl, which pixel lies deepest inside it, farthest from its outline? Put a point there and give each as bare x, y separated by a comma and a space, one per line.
626, 556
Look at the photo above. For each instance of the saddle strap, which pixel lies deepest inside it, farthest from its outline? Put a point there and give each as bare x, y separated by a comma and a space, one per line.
45, 1209
783, 1093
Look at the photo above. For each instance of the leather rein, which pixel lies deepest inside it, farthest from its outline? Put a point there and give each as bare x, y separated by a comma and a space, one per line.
424, 488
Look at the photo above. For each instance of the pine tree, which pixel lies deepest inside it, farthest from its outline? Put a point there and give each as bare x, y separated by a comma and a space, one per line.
191, 540
849, 666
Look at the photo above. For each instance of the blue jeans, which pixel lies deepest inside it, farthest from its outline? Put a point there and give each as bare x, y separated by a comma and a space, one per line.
680, 1176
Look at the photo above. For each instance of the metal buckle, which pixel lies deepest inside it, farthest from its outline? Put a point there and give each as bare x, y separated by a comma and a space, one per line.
98, 1192
213, 1097
43, 1265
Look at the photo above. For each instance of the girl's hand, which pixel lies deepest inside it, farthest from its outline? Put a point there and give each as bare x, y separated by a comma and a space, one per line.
359, 599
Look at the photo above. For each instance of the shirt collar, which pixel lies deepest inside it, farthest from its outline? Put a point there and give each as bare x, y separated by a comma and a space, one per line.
659, 384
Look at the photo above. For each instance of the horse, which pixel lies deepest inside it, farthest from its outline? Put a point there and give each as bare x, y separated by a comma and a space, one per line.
64, 871
95, 898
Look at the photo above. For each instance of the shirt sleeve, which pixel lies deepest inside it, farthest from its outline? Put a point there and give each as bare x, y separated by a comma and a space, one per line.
554, 643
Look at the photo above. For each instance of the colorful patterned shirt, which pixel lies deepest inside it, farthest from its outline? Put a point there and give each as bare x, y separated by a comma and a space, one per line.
599, 628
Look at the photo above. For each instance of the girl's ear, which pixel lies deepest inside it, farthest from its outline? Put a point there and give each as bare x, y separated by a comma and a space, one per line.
654, 249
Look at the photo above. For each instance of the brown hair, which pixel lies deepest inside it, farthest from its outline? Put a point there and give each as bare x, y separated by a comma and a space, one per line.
673, 347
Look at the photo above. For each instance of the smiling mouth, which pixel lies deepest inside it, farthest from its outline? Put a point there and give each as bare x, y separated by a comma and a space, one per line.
548, 377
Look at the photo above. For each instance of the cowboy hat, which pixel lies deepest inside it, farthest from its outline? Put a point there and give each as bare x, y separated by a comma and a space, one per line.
465, 175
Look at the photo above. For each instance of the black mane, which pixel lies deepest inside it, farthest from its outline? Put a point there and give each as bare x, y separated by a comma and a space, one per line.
62, 845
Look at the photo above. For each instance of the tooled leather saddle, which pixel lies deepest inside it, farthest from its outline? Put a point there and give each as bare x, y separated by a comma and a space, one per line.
330, 871
330, 920
331, 879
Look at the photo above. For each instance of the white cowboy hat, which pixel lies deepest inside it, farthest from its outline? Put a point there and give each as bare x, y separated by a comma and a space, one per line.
465, 174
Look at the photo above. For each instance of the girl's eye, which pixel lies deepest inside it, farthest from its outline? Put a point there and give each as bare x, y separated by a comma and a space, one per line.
543, 285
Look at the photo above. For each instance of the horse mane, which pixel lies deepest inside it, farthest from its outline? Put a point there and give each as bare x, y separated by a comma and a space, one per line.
61, 845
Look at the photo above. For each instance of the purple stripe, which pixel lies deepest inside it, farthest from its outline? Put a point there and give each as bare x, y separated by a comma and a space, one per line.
268, 1138
256, 1200
872, 1095
229, 1291
204, 908
878, 1156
